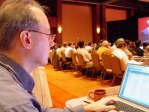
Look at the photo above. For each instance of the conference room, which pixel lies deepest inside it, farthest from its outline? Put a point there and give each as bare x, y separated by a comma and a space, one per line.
96, 42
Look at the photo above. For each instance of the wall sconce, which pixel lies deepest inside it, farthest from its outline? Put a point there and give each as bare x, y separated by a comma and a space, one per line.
59, 29
98, 30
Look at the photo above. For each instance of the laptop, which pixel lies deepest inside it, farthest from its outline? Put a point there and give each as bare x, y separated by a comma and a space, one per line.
134, 89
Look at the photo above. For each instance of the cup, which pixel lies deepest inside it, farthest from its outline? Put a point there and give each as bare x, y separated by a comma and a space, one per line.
97, 94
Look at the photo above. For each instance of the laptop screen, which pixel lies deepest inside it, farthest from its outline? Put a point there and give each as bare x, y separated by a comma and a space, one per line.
135, 85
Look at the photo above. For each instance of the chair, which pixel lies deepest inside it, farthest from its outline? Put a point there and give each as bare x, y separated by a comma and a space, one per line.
106, 64
41, 88
64, 61
96, 62
116, 68
74, 61
82, 64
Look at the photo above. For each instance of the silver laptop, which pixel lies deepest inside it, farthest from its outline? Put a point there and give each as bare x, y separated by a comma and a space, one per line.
135, 87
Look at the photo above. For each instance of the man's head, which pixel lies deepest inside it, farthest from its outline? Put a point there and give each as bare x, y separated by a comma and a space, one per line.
120, 43
81, 44
25, 30
105, 43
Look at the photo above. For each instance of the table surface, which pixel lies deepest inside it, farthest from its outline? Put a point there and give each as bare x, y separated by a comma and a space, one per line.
110, 92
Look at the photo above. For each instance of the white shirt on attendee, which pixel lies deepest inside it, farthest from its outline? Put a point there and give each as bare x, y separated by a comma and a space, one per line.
122, 56
68, 51
88, 48
86, 55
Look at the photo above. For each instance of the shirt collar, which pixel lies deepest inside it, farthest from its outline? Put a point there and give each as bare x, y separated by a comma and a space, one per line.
24, 78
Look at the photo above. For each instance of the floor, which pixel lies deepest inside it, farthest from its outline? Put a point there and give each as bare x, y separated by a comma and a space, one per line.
66, 85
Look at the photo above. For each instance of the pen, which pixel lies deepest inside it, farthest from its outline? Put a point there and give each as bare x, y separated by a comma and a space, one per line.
87, 102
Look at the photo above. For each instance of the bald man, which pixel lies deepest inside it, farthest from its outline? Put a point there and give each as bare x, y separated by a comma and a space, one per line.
105, 47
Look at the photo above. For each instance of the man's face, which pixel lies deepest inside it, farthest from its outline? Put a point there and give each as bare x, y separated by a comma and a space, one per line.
41, 41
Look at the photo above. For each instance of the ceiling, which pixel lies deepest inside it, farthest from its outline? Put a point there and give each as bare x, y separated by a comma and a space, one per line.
135, 4
142, 6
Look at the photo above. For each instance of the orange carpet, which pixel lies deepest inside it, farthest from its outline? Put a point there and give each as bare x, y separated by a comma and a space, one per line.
65, 85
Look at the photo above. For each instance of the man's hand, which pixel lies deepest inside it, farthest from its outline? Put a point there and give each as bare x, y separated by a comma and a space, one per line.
101, 105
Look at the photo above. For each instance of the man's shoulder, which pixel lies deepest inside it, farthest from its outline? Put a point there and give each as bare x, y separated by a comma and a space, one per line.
12, 93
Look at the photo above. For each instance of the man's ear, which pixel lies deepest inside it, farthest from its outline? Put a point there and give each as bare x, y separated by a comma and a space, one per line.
25, 39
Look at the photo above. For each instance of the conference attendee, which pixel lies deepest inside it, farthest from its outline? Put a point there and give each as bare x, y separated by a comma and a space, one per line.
68, 51
137, 49
25, 42
86, 55
144, 34
125, 49
64, 46
119, 51
105, 47
89, 47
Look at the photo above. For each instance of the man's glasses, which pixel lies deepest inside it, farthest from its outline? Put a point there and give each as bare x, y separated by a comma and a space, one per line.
51, 37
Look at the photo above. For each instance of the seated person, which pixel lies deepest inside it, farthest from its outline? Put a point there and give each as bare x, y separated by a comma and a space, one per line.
137, 49
86, 55
105, 47
68, 51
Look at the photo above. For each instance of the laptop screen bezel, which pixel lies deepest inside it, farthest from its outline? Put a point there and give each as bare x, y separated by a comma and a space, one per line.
122, 86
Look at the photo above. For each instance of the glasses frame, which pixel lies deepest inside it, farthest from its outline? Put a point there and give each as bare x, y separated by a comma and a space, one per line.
51, 36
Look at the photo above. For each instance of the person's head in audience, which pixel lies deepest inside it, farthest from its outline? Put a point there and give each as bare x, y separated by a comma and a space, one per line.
105, 43
70, 44
81, 44
137, 43
120, 43
65, 44
25, 43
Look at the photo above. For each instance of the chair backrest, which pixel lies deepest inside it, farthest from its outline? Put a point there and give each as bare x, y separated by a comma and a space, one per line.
106, 60
116, 65
96, 61
74, 61
41, 88
80, 60
63, 56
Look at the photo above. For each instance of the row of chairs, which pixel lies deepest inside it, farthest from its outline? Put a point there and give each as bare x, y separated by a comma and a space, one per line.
109, 65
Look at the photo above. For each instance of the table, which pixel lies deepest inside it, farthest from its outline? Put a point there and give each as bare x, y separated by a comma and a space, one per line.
110, 91
143, 59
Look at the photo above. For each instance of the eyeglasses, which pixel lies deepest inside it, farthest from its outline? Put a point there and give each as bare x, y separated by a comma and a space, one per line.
50, 38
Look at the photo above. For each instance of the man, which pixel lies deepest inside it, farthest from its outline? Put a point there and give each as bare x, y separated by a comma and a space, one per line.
68, 51
119, 51
105, 47
25, 42
86, 55
144, 34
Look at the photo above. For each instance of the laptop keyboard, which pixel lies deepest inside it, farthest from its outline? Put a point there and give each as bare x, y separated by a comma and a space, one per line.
120, 106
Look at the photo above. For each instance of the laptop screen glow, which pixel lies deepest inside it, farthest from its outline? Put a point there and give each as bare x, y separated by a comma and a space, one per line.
135, 85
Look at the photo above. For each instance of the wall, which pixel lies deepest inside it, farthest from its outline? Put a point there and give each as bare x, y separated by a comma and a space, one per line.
115, 14
76, 23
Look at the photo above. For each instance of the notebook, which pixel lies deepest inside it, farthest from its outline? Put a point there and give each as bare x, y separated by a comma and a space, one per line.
135, 87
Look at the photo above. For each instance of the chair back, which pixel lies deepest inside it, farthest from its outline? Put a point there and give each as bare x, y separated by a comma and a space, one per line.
96, 61
63, 56
106, 60
116, 65
74, 61
41, 89
80, 60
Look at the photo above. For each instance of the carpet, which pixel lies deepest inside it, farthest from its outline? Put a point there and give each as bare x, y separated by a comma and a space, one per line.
65, 85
